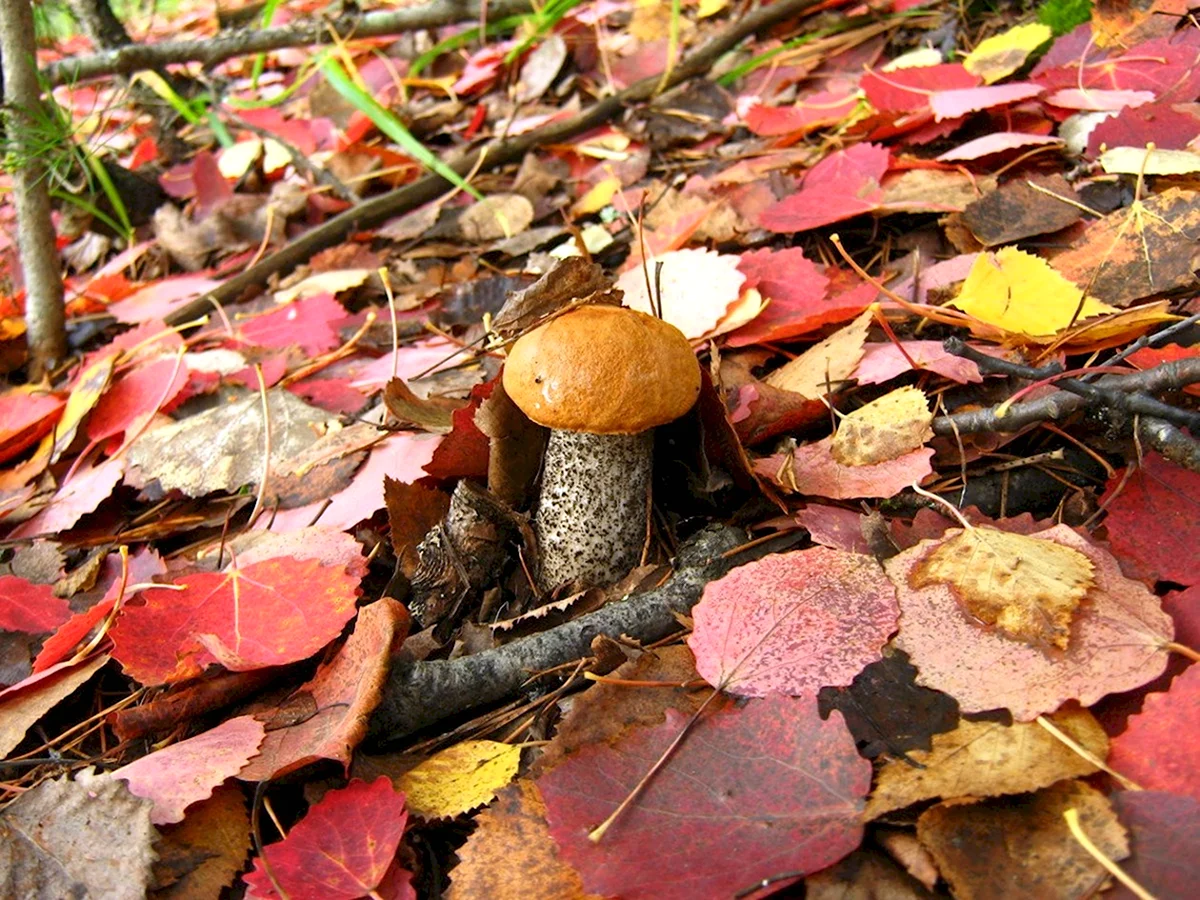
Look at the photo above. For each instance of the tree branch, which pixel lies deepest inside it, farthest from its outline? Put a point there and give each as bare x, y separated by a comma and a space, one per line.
211, 51
418, 694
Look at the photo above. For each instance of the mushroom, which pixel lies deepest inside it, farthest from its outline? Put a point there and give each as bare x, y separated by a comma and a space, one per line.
601, 378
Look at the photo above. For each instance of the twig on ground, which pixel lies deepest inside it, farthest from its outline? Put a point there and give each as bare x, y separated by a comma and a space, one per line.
418, 694
212, 51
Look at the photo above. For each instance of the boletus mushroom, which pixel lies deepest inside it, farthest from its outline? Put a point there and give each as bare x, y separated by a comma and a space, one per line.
601, 378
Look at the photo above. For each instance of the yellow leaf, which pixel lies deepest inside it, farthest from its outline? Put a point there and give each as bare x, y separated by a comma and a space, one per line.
1019, 292
884, 429
1027, 587
1140, 160
1001, 55
598, 197
460, 778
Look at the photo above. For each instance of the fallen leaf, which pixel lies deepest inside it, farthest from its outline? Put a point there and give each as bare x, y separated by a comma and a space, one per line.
459, 778
983, 759
270, 612
812, 470
204, 852
843, 185
28, 607
1019, 292
793, 623
1023, 208
184, 773
1152, 519
340, 850
693, 292
782, 794
309, 322
1027, 588
1002, 54
1155, 750
25, 702
884, 429
1027, 839
1116, 641
1164, 837
823, 367
87, 837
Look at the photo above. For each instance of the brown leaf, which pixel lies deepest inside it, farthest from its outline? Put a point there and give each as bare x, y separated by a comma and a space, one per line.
1021, 847
1022, 208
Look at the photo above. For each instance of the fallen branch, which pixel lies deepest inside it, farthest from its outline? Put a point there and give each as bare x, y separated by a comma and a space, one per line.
212, 51
418, 694
496, 153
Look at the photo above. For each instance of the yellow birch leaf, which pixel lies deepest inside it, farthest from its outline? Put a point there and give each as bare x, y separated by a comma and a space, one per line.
1021, 293
460, 778
1002, 54
598, 197
895, 424
1027, 587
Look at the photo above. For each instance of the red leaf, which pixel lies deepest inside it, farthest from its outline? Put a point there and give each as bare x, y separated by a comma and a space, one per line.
794, 289
269, 613
909, 90
463, 453
309, 323
1152, 519
26, 415
793, 623
1158, 750
749, 793
87, 489
1158, 123
813, 471
185, 773
809, 113
341, 849
31, 608
1164, 837
843, 185
137, 396
954, 103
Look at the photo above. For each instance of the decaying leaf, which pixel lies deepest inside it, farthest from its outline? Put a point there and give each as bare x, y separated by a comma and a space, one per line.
884, 429
1027, 588
823, 368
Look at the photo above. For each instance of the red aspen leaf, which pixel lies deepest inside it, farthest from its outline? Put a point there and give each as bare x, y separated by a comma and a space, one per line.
749, 793
843, 185
1026, 839
31, 608
135, 397
809, 113
339, 698
1149, 357
996, 142
909, 90
269, 613
341, 850
144, 565
1158, 749
950, 104
1093, 100
1184, 607
182, 774
161, 298
1026, 588
794, 289
1153, 519
793, 623
27, 414
463, 453
309, 323
1165, 67
832, 526
1158, 123
1116, 640
812, 470
1164, 839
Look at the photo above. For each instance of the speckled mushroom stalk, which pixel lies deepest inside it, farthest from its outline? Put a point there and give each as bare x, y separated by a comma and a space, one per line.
602, 378
591, 514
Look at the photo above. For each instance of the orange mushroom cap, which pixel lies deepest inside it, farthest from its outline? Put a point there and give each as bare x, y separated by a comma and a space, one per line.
603, 370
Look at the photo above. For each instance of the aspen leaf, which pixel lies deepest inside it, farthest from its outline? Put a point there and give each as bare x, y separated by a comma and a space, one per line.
1141, 160
887, 428
460, 778
1028, 588
1019, 292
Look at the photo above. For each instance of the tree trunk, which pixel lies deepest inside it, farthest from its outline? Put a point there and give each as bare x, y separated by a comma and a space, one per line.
45, 317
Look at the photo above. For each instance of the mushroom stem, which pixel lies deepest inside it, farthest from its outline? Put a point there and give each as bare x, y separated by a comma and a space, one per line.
591, 515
